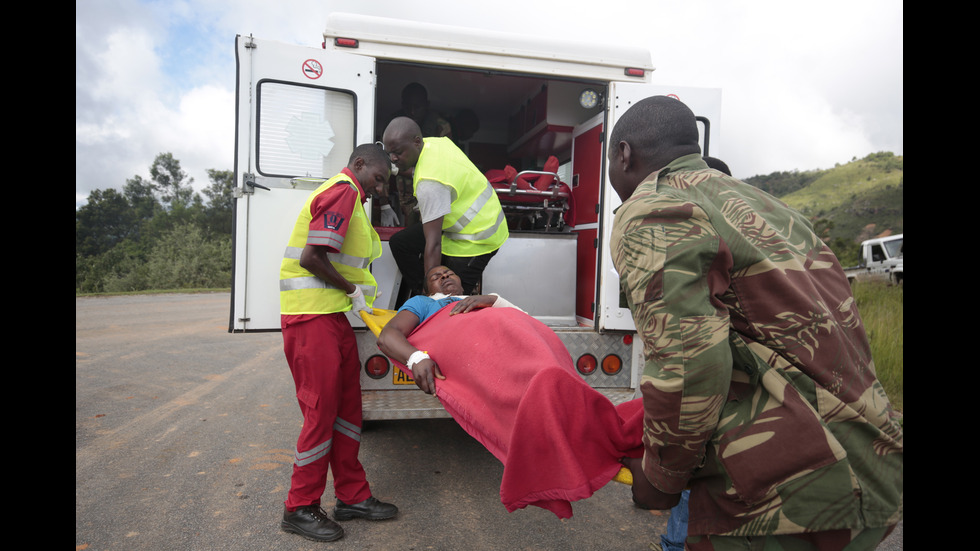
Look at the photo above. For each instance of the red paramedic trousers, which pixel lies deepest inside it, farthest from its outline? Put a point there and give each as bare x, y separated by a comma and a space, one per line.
322, 354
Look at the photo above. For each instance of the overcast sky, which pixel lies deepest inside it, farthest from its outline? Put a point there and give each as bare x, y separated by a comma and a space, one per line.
804, 85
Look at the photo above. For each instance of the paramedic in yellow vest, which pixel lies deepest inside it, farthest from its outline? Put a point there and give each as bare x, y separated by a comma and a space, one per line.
324, 273
462, 226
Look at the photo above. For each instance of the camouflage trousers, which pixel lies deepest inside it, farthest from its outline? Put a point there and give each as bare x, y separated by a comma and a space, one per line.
834, 540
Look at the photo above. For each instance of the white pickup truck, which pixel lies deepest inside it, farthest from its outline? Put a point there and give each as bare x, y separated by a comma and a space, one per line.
881, 260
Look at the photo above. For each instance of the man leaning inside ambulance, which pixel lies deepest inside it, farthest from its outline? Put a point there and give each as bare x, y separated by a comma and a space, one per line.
463, 224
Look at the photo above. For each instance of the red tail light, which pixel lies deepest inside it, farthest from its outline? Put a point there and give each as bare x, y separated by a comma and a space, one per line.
586, 364
377, 366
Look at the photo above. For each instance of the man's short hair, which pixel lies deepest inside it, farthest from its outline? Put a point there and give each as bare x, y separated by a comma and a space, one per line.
371, 153
656, 124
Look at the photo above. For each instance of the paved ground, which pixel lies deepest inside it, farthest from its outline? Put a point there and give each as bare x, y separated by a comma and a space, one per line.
184, 436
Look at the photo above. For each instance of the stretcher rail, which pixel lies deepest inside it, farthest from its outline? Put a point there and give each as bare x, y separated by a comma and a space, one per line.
532, 208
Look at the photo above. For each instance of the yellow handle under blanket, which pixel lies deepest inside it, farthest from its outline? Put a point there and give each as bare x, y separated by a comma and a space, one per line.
624, 476
378, 319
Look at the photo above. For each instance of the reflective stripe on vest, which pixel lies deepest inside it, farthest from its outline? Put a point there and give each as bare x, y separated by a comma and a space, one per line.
454, 231
476, 224
301, 292
313, 282
294, 253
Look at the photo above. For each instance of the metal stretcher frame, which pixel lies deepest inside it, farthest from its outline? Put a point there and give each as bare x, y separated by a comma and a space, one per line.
531, 202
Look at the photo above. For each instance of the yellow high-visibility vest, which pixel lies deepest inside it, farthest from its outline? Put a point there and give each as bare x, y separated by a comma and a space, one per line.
476, 224
301, 292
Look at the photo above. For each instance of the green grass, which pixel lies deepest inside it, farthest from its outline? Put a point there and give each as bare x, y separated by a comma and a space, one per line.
881, 307
156, 292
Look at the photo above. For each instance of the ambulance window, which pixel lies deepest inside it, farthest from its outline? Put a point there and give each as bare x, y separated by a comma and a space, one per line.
303, 131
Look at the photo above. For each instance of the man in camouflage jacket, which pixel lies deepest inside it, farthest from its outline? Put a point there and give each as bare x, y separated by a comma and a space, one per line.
759, 389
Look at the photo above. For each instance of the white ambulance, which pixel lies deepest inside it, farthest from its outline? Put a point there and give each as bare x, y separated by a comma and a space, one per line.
300, 112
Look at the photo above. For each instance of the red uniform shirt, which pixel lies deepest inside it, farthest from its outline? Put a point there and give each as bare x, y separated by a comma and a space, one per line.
332, 211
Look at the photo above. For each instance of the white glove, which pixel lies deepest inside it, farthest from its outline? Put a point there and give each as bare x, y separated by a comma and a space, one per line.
358, 302
388, 216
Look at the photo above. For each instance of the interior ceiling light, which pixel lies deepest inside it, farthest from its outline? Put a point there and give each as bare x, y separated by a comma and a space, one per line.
589, 98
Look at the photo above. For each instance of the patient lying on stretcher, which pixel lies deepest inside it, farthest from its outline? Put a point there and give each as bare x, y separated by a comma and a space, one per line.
444, 288
509, 381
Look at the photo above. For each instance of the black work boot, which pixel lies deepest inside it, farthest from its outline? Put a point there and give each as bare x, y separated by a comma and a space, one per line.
312, 523
370, 508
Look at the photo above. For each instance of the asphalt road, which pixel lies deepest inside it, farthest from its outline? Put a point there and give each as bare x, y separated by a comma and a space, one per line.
184, 436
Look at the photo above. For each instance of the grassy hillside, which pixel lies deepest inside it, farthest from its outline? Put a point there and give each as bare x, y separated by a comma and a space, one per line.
848, 203
882, 309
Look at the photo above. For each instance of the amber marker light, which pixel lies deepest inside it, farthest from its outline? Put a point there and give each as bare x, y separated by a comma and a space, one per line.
611, 364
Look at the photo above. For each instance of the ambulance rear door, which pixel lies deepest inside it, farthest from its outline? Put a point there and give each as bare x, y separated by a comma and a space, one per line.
299, 114
614, 313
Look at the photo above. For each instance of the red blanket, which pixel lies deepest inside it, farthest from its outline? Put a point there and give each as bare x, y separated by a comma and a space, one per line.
511, 384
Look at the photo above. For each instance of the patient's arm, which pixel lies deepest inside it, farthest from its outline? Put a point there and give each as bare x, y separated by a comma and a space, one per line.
394, 343
472, 302
480, 301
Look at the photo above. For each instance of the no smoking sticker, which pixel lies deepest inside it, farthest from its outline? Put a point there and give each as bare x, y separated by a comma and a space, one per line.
312, 69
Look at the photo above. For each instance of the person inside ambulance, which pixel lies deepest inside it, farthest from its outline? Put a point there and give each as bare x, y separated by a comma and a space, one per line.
463, 224
459, 126
415, 105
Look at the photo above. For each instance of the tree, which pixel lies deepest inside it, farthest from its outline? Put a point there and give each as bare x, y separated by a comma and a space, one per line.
822, 227
156, 233
221, 201
105, 221
140, 195
184, 257
169, 181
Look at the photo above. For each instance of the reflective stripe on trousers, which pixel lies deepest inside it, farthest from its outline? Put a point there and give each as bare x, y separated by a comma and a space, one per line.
348, 429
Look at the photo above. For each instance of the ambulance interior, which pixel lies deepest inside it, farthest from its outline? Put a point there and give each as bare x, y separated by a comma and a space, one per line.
525, 123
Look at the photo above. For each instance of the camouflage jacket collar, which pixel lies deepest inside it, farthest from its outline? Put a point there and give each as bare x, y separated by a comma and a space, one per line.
686, 163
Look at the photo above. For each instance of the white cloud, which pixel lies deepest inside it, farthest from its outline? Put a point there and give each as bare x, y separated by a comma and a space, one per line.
803, 85
202, 131
787, 129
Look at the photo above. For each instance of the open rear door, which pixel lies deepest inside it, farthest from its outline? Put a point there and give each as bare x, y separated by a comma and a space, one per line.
614, 313
300, 113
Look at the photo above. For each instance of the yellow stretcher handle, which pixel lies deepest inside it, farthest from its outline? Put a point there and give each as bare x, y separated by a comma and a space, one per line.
624, 476
378, 319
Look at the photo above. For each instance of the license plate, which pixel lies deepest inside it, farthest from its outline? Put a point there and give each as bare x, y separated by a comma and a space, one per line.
398, 377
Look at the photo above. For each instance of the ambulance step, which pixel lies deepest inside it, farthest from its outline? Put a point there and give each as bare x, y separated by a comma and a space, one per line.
400, 404
415, 404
